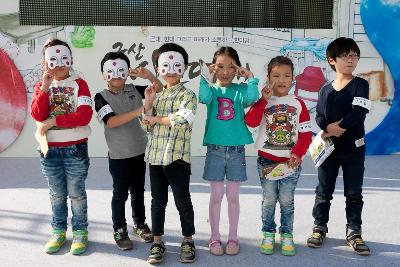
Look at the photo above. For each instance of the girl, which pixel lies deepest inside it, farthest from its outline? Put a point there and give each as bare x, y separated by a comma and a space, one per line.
284, 136
62, 107
225, 136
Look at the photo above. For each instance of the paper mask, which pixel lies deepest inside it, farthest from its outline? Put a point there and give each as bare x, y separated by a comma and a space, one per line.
115, 68
58, 56
171, 62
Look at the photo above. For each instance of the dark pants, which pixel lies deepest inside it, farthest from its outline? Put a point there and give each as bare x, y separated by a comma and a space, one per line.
352, 163
176, 175
128, 175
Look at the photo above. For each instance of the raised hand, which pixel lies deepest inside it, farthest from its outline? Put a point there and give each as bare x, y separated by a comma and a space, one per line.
267, 90
150, 92
140, 72
243, 72
48, 77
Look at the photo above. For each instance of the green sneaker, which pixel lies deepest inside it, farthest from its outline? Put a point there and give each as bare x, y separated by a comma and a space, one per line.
268, 243
56, 241
143, 232
287, 244
79, 242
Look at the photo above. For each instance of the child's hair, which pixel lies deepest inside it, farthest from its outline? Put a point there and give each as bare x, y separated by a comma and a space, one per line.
229, 51
54, 42
112, 56
280, 60
340, 47
170, 47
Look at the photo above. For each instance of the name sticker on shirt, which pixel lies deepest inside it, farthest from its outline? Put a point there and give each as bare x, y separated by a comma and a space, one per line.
84, 100
187, 114
103, 112
362, 102
305, 127
360, 142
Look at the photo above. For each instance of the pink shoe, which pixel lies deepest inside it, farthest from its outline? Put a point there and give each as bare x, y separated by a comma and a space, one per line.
215, 247
232, 247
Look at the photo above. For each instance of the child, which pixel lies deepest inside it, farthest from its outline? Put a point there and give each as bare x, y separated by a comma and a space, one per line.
62, 107
225, 136
341, 110
284, 136
169, 124
119, 107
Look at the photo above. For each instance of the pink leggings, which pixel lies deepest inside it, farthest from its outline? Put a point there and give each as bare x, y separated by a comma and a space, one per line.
232, 195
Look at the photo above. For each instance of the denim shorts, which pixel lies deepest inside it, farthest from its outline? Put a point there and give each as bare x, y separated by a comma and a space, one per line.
224, 161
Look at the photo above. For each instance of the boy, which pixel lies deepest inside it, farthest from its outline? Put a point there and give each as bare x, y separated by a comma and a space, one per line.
341, 110
62, 108
169, 124
119, 107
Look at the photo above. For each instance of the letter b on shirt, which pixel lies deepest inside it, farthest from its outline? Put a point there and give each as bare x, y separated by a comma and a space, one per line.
225, 109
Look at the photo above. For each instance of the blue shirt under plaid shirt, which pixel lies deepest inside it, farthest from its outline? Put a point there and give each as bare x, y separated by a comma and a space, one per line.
167, 144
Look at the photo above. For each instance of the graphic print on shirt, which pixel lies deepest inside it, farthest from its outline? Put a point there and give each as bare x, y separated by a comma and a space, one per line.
225, 109
281, 125
61, 101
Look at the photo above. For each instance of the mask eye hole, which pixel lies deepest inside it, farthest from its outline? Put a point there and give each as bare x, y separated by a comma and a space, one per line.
53, 59
64, 58
109, 71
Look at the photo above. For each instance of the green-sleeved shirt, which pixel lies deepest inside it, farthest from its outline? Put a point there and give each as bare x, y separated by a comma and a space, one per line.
225, 112
169, 143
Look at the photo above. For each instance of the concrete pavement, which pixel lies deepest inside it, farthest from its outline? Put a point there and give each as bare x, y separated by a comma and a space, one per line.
25, 217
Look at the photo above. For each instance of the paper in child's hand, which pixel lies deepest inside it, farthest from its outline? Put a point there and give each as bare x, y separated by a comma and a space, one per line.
44, 147
277, 171
205, 72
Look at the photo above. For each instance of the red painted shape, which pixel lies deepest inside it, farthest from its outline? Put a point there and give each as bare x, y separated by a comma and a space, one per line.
13, 101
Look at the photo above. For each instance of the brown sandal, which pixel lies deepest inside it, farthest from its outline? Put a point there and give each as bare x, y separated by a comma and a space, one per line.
232, 247
215, 247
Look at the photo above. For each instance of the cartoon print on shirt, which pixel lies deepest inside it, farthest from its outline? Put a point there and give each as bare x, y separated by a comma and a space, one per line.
61, 101
281, 123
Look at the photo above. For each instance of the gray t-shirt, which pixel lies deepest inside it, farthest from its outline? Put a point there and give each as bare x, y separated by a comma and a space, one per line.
128, 140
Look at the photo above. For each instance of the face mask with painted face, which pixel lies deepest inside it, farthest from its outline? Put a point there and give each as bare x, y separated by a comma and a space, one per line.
171, 62
115, 68
58, 56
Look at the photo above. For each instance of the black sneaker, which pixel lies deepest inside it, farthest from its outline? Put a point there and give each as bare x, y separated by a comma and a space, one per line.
316, 239
122, 239
188, 251
357, 243
143, 232
157, 251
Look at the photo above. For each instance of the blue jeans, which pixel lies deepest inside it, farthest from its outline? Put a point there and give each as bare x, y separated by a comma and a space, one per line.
66, 169
278, 190
224, 161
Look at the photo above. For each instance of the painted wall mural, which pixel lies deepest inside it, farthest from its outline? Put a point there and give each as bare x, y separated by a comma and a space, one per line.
13, 97
21, 68
385, 138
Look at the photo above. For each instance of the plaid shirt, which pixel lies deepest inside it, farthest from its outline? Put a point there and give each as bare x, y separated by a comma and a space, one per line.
167, 144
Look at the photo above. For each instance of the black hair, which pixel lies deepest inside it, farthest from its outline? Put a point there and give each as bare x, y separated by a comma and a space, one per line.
112, 56
341, 47
229, 51
280, 60
170, 47
54, 42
